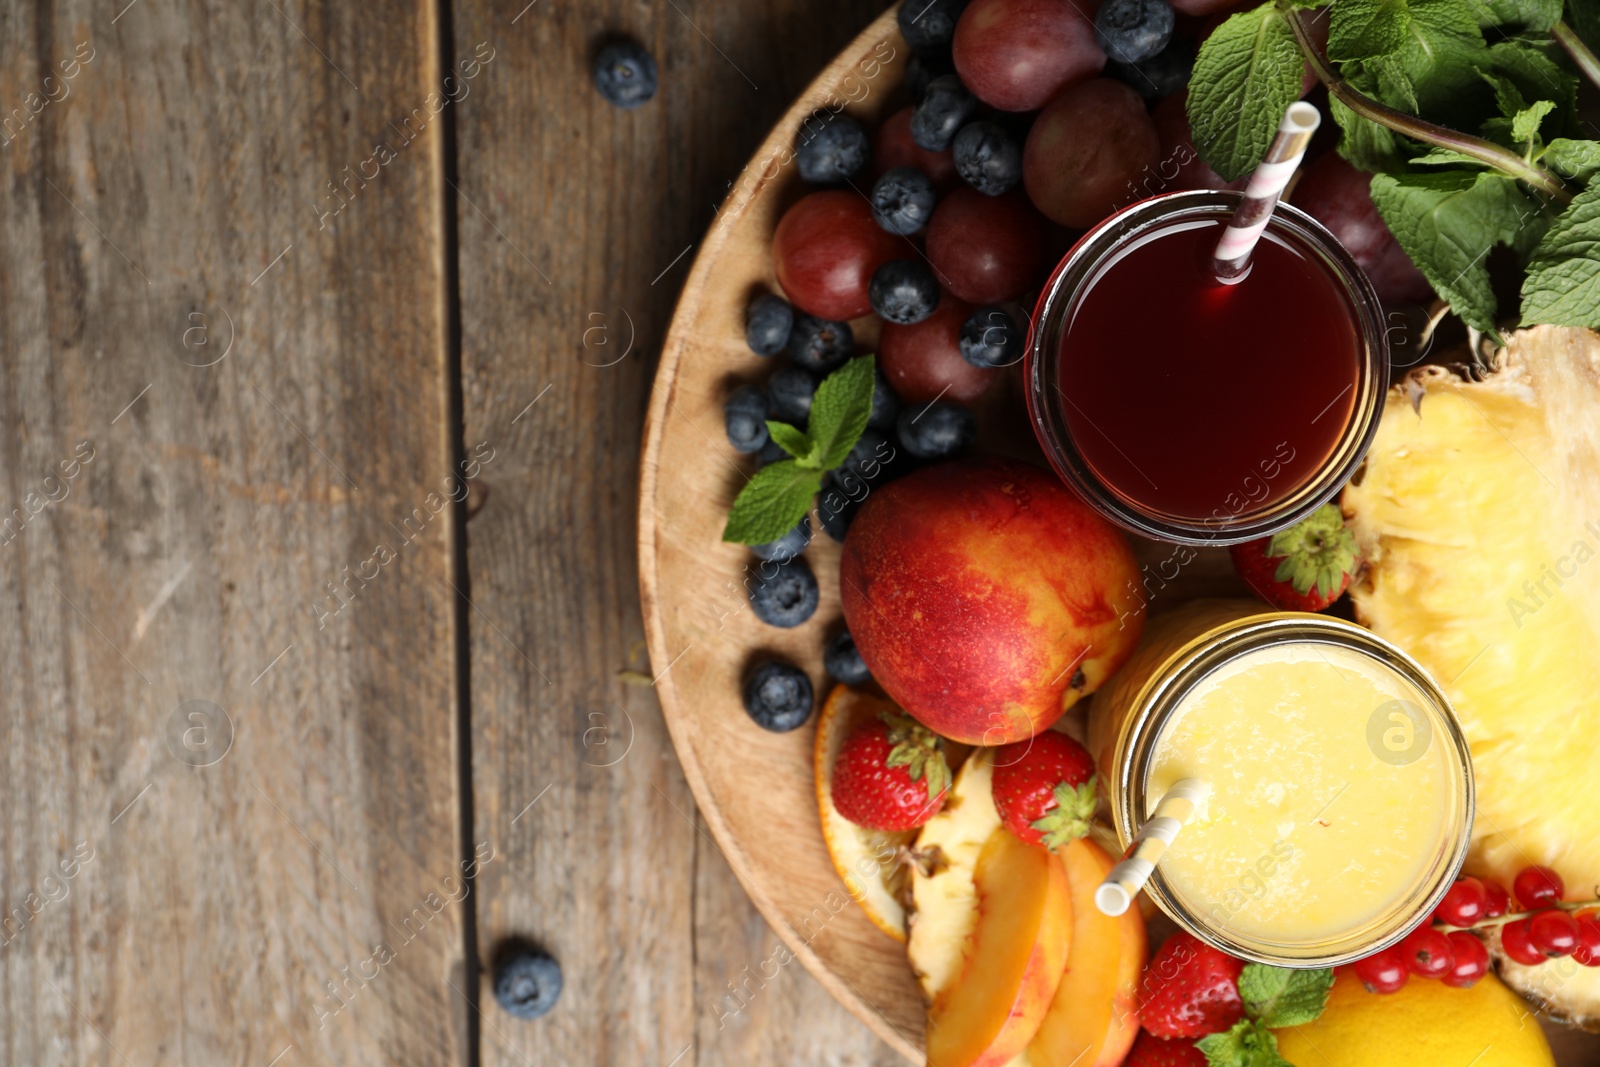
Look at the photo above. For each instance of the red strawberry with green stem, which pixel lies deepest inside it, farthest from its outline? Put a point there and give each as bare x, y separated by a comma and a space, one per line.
1190, 989
891, 774
1303, 568
1044, 789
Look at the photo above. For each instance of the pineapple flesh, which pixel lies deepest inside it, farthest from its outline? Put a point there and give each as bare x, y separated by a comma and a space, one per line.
1478, 513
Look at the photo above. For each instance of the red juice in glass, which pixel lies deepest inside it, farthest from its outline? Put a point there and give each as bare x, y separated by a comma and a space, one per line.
1194, 411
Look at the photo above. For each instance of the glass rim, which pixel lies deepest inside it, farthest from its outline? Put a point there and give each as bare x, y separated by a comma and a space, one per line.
1165, 690
1052, 312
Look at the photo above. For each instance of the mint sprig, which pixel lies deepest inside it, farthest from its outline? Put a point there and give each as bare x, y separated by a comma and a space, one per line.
1248, 1044
1563, 283
778, 495
1246, 76
1274, 998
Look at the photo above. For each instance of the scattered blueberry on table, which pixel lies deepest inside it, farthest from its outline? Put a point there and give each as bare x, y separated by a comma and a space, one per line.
625, 74
1132, 31
1162, 74
831, 148
904, 291
929, 25
945, 108
527, 981
778, 696
843, 661
902, 200
937, 430
784, 593
820, 345
789, 545
767, 322
744, 415
789, 393
987, 157
991, 337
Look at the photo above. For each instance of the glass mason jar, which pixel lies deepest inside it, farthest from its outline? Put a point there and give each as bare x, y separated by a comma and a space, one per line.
1262, 499
1333, 827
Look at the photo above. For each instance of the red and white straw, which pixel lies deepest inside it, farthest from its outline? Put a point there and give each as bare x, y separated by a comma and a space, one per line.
1232, 258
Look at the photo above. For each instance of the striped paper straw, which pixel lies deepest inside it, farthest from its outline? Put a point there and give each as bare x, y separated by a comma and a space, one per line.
1128, 877
1232, 259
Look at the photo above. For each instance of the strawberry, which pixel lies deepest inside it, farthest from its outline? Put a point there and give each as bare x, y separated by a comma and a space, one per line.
1303, 568
1152, 1051
891, 774
1044, 789
1190, 989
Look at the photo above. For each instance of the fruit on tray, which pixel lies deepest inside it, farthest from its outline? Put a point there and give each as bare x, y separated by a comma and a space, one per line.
1424, 1023
869, 861
1095, 1015
1045, 789
890, 774
1304, 568
986, 248
923, 361
1013, 962
985, 597
1017, 54
825, 250
1088, 151
1476, 515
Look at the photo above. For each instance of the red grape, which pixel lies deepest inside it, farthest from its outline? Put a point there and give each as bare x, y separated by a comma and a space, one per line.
1588, 950
825, 250
1514, 939
893, 147
1178, 155
1339, 196
1087, 152
1553, 932
923, 361
1536, 887
986, 249
1463, 903
1384, 971
1427, 952
1016, 54
1497, 901
1470, 960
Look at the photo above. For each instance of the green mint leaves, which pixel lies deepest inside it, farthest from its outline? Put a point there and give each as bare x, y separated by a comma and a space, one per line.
1274, 998
1563, 283
1247, 75
778, 495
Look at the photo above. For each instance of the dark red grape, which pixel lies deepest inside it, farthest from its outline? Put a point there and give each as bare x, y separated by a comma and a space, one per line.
1016, 54
825, 250
893, 147
1087, 152
923, 361
1181, 166
1339, 196
986, 248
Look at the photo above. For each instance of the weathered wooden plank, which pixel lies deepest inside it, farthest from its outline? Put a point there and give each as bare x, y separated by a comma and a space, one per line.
577, 223
229, 696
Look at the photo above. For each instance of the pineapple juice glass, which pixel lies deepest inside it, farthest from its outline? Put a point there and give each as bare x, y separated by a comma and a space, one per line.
1341, 788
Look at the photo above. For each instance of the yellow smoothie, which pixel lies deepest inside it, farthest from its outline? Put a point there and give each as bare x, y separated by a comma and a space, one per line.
1332, 794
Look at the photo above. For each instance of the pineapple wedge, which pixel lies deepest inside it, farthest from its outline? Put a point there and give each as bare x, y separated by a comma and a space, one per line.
1478, 513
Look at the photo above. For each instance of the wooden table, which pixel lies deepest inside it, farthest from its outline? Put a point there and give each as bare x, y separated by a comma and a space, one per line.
276, 280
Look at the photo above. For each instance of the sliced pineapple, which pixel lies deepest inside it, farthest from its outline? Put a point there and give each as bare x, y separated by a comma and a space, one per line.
1478, 513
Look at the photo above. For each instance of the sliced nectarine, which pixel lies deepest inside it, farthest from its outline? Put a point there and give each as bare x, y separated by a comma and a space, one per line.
1014, 958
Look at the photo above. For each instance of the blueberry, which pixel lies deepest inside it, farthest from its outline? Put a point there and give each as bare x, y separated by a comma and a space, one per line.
625, 74
904, 291
922, 69
868, 458
527, 982
789, 393
836, 510
945, 108
831, 148
767, 322
987, 157
843, 662
936, 430
771, 452
778, 696
1162, 74
744, 414
991, 337
929, 25
885, 405
1132, 31
783, 593
903, 199
789, 545
819, 345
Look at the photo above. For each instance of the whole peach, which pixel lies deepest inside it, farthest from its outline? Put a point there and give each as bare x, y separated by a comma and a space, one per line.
986, 598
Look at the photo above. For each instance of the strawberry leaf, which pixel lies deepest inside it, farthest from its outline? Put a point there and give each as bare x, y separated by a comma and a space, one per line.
919, 750
1069, 819
1317, 552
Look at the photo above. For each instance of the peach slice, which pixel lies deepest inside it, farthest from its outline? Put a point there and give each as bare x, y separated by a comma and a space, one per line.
1094, 1017
1014, 958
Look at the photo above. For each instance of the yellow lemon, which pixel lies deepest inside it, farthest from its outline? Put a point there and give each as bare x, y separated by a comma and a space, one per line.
1426, 1023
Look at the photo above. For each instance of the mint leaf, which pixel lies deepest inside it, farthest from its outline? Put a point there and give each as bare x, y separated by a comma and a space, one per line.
1365, 144
1278, 996
1248, 1044
1447, 223
1528, 65
1525, 123
797, 443
1573, 160
1532, 14
1443, 156
1424, 53
1247, 75
1563, 283
769, 505
840, 409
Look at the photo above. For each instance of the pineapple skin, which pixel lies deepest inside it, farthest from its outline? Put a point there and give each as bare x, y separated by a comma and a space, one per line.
1478, 515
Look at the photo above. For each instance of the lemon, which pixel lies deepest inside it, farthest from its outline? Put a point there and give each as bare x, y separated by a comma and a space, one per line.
1426, 1023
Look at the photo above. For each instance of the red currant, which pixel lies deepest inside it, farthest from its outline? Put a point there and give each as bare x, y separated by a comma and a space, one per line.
1588, 950
1497, 901
1427, 952
1537, 887
1463, 903
1514, 939
1383, 972
1471, 960
1555, 933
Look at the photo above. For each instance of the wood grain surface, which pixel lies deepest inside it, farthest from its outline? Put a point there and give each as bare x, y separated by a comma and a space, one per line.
229, 832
